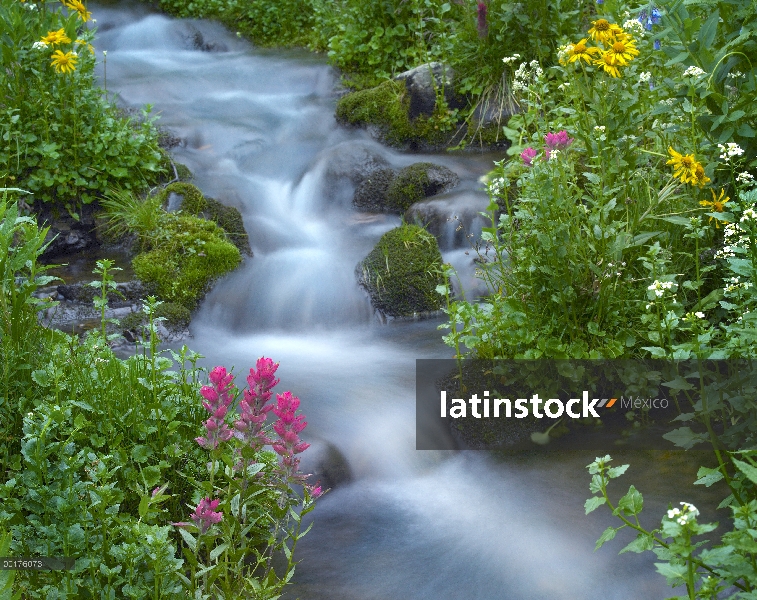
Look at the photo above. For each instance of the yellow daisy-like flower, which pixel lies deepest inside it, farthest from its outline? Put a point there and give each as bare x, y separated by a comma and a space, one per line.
684, 166
717, 204
622, 51
603, 31
581, 51
606, 61
700, 178
64, 63
77, 5
56, 37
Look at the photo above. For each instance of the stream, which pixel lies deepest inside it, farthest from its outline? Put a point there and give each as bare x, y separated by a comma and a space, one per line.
258, 132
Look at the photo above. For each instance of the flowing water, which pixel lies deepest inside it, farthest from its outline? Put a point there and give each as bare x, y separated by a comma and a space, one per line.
258, 131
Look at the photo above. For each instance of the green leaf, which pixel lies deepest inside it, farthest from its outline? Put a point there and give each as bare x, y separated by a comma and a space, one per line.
642, 543
593, 177
673, 573
593, 503
141, 453
747, 469
217, 551
709, 29
144, 504
683, 437
708, 476
614, 472
632, 503
606, 536
189, 539
678, 58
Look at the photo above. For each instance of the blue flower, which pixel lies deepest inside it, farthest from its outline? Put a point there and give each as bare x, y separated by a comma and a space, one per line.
657, 44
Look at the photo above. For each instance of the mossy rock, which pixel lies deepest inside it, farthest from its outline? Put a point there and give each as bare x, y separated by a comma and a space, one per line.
192, 253
387, 107
402, 272
370, 195
230, 220
416, 182
176, 318
195, 203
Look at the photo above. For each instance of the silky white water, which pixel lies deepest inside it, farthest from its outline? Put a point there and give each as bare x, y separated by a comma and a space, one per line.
258, 132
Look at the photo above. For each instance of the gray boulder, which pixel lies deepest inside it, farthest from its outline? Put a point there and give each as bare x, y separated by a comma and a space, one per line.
423, 83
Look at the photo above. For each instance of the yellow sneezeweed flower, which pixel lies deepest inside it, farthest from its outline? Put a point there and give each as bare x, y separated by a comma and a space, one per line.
604, 31
56, 37
717, 204
684, 166
64, 63
622, 51
700, 178
606, 62
77, 5
580, 51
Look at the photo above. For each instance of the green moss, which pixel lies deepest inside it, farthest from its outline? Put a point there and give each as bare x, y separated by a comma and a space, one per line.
189, 255
230, 220
194, 202
410, 186
402, 272
387, 106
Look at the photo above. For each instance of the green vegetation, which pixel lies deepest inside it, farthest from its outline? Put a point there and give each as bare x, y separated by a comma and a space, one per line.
101, 459
61, 139
402, 272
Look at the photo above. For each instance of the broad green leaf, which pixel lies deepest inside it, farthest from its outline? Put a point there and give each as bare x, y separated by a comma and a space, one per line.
707, 476
642, 543
593, 503
747, 469
606, 536
632, 502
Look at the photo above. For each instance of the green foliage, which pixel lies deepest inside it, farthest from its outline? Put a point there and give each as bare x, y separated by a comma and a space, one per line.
124, 213
99, 457
187, 256
401, 273
193, 201
174, 317
61, 139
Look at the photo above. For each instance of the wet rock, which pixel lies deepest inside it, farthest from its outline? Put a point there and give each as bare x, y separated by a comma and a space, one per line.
196, 41
424, 82
370, 194
352, 162
125, 294
416, 182
327, 465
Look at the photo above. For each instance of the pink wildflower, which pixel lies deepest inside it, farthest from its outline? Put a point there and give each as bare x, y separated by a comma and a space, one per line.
218, 398
253, 409
558, 141
287, 428
204, 515
528, 155
482, 24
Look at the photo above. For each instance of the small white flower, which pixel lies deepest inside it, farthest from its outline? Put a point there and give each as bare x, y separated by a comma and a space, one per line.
699, 314
745, 177
673, 512
635, 26
748, 215
693, 71
509, 59
563, 86
39, 45
599, 128
735, 74
646, 75
105, 53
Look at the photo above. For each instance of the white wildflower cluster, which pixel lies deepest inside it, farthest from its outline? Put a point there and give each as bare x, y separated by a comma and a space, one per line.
668, 101
745, 178
686, 513
694, 316
496, 186
693, 71
526, 74
748, 215
628, 138
599, 128
39, 45
730, 150
553, 154
510, 59
30, 6
634, 26
735, 284
645, 76
563, 52
563, 86
735, 75
659, 287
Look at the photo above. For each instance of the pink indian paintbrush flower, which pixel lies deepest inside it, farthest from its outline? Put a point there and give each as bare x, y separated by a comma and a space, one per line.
218, 398
204, 514
253, 408
287, 428
528, 155
558, 141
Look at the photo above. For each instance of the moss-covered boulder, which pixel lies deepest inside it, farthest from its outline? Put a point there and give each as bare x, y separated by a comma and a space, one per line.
416, 182
191, 253
175, 317
193, 202
402, 272
386, 109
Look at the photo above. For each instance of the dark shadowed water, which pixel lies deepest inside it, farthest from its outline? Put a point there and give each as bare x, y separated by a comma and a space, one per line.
258, 131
